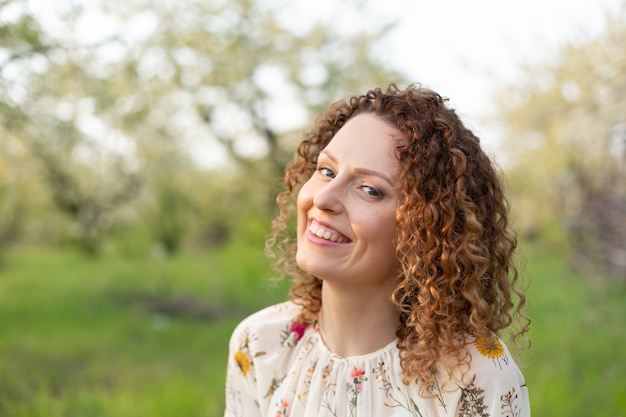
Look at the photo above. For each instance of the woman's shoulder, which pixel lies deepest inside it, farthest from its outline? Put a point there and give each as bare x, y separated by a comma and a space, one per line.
274, 315
489, 363
272, 320
491, 384
263, 335
491, 359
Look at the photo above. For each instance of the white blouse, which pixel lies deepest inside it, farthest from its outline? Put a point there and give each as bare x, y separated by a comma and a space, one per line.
278, 368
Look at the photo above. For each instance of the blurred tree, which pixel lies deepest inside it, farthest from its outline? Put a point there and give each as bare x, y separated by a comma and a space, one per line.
113, 92
47, 101
12, 178
242, 74
567, 147
170, 195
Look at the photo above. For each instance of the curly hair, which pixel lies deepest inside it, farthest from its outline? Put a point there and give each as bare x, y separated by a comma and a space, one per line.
454, 247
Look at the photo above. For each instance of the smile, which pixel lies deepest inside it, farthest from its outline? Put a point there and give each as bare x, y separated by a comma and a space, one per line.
326, 233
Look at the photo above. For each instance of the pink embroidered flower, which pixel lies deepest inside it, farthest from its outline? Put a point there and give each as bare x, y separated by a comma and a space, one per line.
282, 408
357, 373
298, 329
354, 388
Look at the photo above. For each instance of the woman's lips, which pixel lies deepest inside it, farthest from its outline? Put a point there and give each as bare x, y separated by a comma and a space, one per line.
327, 233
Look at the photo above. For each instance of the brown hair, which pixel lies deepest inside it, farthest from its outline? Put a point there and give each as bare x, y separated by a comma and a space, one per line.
453, 243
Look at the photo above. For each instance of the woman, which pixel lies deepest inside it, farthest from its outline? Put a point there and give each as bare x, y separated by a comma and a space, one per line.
402, 274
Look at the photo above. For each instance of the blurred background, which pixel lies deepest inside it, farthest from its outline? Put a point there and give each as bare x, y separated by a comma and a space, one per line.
142, 144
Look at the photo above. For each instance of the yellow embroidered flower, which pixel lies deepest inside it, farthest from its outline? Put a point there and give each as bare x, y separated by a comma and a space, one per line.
490, 348
242, 361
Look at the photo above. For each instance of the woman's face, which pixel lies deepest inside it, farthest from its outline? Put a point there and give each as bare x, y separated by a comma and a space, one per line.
346, 210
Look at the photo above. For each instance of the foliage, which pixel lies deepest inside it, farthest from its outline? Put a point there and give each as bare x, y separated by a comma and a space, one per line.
122, 103
566, 140
11, 200
42, 87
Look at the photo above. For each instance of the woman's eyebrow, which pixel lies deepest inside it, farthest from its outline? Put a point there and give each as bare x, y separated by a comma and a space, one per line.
359, 170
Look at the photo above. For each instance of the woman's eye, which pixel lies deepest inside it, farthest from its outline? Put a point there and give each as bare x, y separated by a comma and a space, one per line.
371, 191
327, 172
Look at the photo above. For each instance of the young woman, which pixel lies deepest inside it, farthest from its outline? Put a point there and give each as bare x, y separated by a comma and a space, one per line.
402, 274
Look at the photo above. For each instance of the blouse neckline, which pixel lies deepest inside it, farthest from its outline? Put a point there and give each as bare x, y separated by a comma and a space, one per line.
350, 359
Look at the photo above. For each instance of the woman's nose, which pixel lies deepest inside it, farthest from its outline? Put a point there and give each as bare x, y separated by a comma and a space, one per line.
329, 197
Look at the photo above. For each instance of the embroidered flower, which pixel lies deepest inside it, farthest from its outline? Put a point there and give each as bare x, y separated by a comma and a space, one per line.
298, 329
242, 361
282, 408
354, 388
509, 407
472, 401
490, 348
274, 384
357, 373
292, 333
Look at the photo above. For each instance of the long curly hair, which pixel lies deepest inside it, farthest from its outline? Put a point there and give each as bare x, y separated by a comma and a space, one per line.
454, 247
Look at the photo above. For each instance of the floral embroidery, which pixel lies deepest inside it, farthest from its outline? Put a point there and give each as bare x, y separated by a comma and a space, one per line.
243, 356
293, 333
330, 389
472, 402
305, 347
493, 349
327, 369
330, 393
282, 408
274, 386
508, 407
436, 391
405, 401
298, 329
357, 376
242, 361
490, 348
307, 381
354, 388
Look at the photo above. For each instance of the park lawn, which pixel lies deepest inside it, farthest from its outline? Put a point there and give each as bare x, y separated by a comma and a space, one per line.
122, 337
576, 364
148, 336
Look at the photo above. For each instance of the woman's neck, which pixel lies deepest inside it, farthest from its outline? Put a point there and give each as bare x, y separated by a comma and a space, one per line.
356, 322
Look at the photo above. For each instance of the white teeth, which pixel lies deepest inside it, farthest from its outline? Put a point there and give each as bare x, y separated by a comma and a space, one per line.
323, 233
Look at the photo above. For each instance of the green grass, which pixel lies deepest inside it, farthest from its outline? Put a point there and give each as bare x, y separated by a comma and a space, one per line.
120, 337
116, 336
576, 365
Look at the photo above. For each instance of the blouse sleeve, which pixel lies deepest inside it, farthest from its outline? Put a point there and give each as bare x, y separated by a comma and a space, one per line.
495, 385
241, 384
